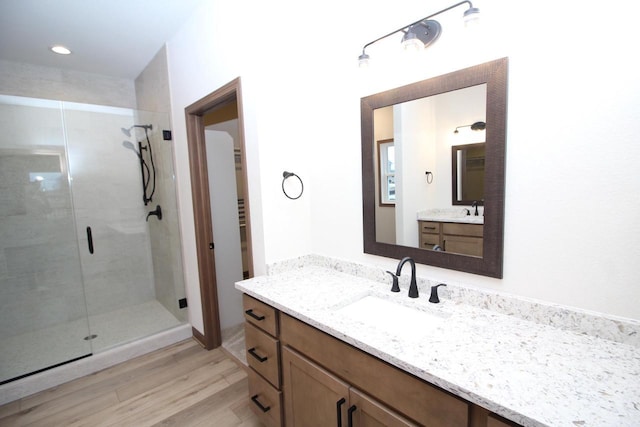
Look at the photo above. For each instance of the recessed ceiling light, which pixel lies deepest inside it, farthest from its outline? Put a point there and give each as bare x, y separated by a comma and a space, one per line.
60, 50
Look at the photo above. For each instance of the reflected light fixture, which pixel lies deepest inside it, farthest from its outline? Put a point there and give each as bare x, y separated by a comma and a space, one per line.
473, 126
60, 50
422, 33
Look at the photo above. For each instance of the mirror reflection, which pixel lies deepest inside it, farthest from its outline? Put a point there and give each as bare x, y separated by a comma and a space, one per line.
417, 137
467, 167
433, 170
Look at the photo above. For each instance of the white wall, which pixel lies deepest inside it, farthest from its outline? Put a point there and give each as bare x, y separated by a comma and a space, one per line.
572, 191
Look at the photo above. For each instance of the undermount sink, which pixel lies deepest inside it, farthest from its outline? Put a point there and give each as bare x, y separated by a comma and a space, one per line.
390, 316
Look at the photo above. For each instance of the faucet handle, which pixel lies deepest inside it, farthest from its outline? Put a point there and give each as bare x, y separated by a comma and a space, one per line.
395, 287
434, 293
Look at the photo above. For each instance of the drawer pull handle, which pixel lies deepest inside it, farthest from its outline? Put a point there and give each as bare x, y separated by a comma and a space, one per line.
252, 314
339, 404
429, 228
262, 408
252, 351
350, 412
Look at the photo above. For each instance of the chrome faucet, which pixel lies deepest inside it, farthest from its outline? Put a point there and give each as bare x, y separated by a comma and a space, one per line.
413, 287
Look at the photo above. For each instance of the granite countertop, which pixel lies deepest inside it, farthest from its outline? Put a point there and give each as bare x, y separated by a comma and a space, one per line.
450, 215
531, 373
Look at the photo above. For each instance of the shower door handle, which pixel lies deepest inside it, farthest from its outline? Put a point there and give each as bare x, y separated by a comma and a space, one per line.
90, 240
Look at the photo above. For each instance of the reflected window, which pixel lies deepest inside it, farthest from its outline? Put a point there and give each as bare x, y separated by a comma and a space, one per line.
387, 172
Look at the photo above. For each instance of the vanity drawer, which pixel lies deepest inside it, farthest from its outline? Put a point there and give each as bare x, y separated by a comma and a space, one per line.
260, 314
458, 229
266, 401
429, 227
263, 353
428, 241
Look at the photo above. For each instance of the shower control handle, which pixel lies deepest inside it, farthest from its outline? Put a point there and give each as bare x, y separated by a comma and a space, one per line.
90, 240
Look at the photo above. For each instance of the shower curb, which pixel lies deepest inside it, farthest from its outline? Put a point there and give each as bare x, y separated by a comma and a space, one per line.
65, 373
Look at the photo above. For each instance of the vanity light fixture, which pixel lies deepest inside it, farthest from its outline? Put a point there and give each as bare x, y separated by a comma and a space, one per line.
473, 126
422, 33
60, 50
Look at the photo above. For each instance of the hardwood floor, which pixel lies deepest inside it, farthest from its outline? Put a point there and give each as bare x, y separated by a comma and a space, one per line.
181, 385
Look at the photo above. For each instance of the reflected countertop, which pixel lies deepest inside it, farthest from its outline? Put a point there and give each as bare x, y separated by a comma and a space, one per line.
451, 215
533, 373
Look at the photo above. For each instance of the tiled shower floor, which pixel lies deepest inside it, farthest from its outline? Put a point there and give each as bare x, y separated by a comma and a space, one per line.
30, 352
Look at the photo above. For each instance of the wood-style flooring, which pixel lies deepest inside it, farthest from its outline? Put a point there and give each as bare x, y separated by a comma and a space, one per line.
181, 385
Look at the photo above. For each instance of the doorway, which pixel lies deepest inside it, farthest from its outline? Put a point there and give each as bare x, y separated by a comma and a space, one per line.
215, 133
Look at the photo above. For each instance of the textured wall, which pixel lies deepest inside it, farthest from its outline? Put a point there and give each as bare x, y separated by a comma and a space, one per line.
153, 97
52, 83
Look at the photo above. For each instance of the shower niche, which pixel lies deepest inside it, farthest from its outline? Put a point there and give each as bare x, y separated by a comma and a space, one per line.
85, 263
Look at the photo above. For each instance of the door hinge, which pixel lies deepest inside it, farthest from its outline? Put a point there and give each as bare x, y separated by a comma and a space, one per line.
211, 245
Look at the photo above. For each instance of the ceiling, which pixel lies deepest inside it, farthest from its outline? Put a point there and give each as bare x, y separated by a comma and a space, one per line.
116, 38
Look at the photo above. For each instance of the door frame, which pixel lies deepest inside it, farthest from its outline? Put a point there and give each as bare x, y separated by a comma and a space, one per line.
211, 337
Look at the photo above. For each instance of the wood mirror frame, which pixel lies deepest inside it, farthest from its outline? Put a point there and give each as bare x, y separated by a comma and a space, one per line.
494, 75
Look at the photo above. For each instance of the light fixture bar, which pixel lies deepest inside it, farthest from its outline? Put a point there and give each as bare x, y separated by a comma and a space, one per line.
471, 9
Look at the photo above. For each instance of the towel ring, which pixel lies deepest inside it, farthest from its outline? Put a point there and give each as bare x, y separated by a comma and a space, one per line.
286, 175
429, 177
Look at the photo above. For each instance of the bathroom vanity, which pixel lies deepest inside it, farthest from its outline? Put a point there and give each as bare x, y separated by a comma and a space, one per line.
326, 380
454, 237
330, 348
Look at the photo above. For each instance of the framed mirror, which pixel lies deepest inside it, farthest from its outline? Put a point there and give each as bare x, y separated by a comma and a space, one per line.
467, 174
431, 219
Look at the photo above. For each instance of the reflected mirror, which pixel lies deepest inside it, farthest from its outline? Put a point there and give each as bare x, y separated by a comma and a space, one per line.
433, 170
467, 174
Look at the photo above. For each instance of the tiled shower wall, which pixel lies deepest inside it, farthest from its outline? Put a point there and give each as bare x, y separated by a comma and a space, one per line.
152, 94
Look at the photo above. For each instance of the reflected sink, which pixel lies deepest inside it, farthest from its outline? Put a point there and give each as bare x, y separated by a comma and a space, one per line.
391, 317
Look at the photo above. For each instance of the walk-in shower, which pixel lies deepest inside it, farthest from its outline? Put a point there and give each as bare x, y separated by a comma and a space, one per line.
82, 271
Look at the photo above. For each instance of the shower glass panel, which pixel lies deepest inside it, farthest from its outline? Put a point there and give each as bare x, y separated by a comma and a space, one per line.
83, 266
43, 316
130, 276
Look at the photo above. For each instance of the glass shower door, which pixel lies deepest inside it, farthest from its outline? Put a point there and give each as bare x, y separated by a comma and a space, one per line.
43, 315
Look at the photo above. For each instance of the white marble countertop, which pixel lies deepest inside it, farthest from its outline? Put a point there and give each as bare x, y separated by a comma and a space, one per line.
531, 373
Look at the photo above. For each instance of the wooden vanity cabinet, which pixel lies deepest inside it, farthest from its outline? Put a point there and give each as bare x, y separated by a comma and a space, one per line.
315, 397
463, 239
263, 357
319, 380
459, 238
403, 396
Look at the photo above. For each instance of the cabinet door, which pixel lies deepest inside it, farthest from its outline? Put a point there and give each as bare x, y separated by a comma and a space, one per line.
463, 245
313, 397
369, 413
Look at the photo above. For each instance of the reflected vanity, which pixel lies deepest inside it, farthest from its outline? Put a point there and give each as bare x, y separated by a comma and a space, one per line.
426, 195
